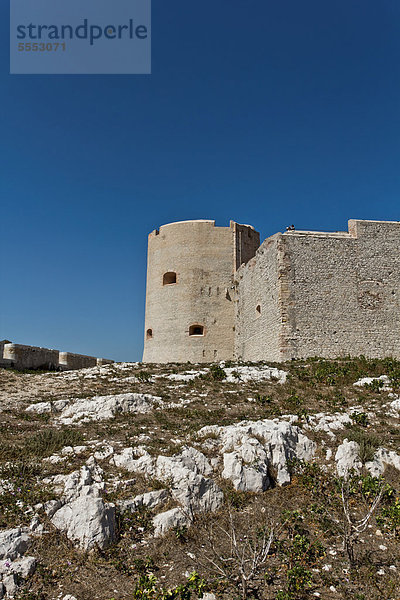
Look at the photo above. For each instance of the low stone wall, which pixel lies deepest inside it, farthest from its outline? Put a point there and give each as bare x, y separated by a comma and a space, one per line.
67, 360
18, 356
30, 357
104, 361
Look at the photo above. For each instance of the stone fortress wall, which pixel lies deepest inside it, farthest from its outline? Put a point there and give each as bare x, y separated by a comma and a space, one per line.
19, 356
300, 294
322, 294
190, 292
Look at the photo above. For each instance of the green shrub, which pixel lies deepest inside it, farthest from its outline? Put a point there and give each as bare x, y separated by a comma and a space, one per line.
48, 441
368, 443
217, 373
143, 376
147, 588
375, 386
390, 517
360, 419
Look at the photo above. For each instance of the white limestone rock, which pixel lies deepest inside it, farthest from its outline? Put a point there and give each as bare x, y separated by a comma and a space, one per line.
101, 408
196, 461
328, 423
347, 458
246, 478
87, 520
22, 567
165, 521
106, 452
394, 408
368, 380
382, 457
40, 408
186, 376
256, 444
14, 542
6, 486
245, 374
10, 583
188, 485
185, 473
13, 567
52, 506
149, 500
128, 459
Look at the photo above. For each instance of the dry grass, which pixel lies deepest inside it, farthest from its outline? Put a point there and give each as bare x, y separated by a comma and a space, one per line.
305, 514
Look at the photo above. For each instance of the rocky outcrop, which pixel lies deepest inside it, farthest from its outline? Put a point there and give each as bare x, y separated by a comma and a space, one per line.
347, 458
170, 519
99, 408
148, 500
84, 516
14, 542
186, 475
245, 374
14, 568
251, 448
382, 458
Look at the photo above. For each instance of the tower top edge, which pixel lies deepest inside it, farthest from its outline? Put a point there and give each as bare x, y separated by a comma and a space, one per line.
205, 222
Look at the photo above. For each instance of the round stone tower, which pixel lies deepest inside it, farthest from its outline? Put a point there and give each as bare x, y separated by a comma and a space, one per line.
189, 296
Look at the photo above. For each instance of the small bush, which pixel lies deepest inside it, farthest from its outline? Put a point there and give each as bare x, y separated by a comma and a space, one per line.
360, 419
368, 443
375, 386
390, 517
49, 441
143, 376
217, 373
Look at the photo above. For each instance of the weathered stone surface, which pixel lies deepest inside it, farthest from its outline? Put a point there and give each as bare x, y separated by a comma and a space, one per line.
256, 444
87, 520
187, 484
23, 567
322, 294
149, 500
347, 458
128, 459
246, 478
185, 474
165, 521
10, 583
235, 374
101, 408
394, 407
327, 423
382, 457
14, 542
383, 379
39, 408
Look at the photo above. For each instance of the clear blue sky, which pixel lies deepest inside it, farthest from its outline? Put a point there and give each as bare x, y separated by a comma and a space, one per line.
265, 112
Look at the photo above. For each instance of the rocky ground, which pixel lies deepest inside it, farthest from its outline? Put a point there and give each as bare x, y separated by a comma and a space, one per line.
217, 482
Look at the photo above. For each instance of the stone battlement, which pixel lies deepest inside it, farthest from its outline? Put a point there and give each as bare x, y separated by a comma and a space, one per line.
19, 356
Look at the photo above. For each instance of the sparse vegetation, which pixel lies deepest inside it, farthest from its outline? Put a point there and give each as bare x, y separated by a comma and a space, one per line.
287, 543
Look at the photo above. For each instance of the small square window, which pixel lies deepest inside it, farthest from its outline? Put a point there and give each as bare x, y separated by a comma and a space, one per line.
196, 330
